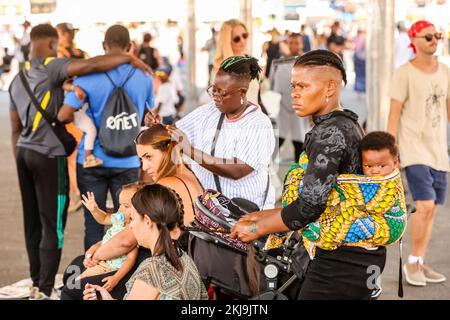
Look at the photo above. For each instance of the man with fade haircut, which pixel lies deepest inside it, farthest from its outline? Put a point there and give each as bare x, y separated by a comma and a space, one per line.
40, 156
116, 170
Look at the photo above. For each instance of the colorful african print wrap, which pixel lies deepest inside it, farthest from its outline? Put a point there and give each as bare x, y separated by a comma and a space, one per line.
361, 211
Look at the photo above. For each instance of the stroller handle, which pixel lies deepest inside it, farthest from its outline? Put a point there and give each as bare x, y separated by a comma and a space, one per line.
224, 224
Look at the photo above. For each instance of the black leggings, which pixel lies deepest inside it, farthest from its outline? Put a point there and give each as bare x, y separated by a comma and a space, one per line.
74, 291
344, 273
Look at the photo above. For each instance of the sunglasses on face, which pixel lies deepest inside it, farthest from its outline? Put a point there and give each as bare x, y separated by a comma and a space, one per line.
430, 36
237, 39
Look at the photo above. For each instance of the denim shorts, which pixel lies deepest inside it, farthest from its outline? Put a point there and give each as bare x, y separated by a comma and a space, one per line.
425, 183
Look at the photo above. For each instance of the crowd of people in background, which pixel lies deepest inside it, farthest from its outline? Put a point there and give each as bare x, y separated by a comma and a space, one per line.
226, 144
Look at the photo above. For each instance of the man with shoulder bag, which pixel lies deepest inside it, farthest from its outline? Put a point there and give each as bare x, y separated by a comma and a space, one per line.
41, 144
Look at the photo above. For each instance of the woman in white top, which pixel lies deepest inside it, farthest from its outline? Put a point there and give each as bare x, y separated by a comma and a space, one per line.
244, 145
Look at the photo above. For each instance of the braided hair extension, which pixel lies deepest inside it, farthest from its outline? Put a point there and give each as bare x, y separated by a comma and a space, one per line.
322, 58
180, 209
243, 67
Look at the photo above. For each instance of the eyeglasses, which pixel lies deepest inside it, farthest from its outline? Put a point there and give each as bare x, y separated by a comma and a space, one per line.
213, 91
237, 39
430, 36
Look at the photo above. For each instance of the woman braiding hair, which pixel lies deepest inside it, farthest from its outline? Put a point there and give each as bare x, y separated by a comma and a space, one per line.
236, 161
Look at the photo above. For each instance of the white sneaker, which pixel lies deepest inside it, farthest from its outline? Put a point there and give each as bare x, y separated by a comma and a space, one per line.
432, 276
414, 274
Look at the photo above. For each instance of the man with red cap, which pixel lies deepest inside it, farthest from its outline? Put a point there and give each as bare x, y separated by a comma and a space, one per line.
419, 111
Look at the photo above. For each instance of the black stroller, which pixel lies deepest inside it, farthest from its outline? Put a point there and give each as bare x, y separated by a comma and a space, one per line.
223, 262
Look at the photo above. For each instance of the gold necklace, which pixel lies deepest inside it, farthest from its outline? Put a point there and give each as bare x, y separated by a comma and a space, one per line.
240, 114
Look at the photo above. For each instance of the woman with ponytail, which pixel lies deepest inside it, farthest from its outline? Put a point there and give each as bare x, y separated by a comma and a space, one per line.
170, 273
162, 161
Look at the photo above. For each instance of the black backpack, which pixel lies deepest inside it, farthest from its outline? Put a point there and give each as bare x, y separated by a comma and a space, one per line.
147, 55
120, 123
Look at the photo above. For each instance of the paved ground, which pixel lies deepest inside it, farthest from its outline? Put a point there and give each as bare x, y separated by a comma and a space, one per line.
14, 264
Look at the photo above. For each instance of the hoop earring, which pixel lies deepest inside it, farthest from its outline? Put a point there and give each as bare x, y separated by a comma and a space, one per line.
326, 99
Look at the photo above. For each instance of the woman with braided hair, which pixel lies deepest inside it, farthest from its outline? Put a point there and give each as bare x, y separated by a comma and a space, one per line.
161, 160
332, 148
230, 139
169, 274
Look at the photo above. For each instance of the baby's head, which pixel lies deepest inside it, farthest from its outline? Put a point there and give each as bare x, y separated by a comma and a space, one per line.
379, 154
163, 74
126, 193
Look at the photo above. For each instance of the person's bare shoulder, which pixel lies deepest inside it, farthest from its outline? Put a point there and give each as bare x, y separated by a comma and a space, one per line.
179, 187
168, 181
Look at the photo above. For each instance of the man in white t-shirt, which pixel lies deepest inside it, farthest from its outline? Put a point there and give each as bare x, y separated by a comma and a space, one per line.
420, 100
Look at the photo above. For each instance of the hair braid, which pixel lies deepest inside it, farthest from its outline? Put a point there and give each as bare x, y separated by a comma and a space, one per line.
180, 210
322, 58
245, 67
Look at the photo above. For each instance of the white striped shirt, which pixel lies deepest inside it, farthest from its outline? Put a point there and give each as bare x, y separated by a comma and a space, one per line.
250, 139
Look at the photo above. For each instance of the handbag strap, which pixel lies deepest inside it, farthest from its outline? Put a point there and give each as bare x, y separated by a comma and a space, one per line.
34, 100
213, 151
266, 193
213, 148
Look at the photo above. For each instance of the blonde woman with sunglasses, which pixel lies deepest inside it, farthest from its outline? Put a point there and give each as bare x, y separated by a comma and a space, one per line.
232, 41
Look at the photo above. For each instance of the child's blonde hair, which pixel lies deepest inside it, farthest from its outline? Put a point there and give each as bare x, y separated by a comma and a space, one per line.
134, 186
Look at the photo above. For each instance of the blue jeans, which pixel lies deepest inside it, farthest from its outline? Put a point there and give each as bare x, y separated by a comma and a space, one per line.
168, 120
99, 181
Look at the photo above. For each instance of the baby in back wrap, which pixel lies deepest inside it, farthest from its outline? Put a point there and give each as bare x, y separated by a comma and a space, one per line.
364, 211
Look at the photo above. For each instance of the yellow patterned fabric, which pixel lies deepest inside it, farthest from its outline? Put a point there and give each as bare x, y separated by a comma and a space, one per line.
361, 211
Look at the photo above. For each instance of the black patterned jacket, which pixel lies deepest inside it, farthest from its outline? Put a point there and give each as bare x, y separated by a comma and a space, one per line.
332, 147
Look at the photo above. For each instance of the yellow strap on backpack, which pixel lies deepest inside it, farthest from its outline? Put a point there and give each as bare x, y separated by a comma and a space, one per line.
45, 100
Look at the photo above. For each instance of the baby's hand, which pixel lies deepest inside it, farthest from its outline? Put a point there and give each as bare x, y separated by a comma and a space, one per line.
88, 261
110, 283
89, 201
79, 92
